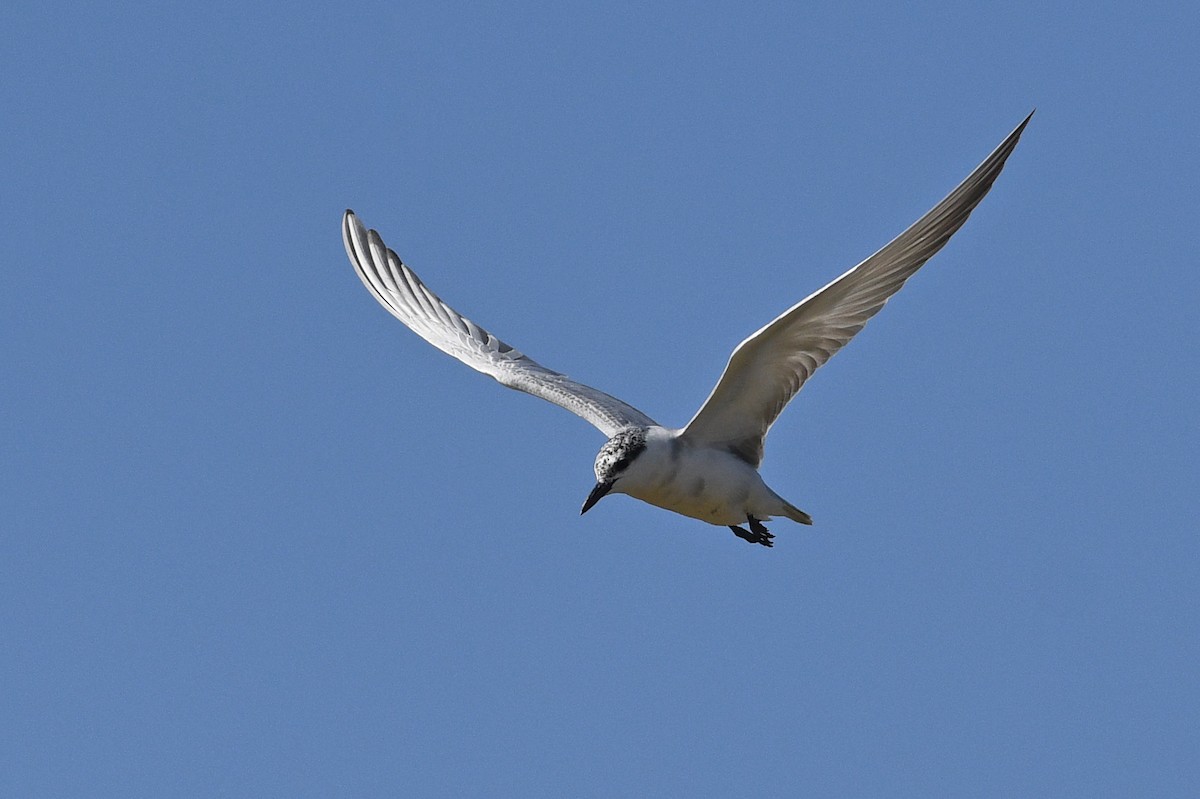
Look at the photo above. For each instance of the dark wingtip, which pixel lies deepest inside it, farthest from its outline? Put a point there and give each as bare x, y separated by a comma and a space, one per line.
346, 225
1021, 128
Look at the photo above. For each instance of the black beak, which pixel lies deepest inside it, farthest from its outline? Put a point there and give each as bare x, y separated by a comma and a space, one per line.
597, 493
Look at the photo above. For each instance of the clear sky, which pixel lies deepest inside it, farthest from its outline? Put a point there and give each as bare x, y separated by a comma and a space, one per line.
258, 539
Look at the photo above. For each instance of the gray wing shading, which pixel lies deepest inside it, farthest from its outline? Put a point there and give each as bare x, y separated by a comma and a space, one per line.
768, 368
403, 294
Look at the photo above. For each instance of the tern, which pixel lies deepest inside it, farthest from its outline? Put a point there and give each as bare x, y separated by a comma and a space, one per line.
708, 469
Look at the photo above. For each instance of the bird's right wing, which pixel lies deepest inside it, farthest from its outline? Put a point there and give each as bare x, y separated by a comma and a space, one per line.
768, 368
403, 294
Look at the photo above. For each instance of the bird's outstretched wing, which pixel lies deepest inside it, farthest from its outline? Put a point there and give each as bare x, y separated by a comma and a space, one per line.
768, 368
400, 291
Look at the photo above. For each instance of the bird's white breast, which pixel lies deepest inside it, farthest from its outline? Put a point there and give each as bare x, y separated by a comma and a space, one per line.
712, 485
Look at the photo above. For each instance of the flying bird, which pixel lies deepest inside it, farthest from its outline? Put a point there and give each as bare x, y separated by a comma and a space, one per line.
708, 469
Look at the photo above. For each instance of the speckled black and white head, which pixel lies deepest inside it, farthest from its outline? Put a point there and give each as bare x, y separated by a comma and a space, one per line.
620, 450
613, 459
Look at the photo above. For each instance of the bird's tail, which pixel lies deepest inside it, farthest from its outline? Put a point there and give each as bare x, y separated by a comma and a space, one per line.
794, 513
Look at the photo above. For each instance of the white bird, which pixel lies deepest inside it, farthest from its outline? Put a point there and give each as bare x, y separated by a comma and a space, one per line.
707, 470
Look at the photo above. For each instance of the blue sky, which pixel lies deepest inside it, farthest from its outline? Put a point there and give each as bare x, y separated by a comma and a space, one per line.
260, 540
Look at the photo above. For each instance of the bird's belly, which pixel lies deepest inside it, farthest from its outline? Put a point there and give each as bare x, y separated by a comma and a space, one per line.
717, 494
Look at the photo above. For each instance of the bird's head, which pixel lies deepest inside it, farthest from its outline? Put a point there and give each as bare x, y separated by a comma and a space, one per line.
613, 460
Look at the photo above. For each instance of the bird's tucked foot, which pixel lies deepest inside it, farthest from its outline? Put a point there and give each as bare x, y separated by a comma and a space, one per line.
758, 534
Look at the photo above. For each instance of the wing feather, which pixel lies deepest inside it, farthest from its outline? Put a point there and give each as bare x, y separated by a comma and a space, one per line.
769, 368
402, 293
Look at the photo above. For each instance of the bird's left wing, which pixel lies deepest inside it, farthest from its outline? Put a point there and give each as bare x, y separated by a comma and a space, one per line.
768, 368
403, 294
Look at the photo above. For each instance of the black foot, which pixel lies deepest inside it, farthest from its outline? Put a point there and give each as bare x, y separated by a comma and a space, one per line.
757, 535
